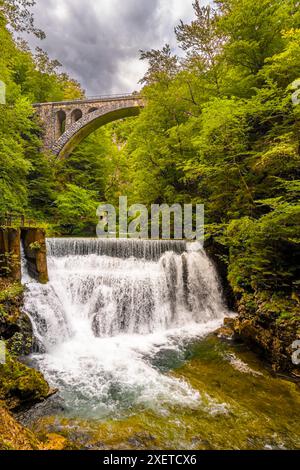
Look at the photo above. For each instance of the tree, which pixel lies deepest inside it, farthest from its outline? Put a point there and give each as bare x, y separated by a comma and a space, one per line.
163, 65
76, 210
19, 17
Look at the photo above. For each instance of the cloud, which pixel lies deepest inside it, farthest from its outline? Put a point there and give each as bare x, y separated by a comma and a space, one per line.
98, 41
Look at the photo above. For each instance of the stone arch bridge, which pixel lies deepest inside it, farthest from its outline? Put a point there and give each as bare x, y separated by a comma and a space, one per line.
67, 123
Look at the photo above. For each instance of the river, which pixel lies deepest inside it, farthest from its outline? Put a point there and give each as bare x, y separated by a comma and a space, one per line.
124, 331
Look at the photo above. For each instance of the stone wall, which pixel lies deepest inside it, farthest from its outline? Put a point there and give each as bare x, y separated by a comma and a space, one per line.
34, 243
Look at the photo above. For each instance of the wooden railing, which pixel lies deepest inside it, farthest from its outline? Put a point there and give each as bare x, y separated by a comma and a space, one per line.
15, 219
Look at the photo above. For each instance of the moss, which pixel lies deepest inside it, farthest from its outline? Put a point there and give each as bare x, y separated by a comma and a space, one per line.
3, 314
13, 435
11, 293
19, 344
43, 278
35, 246
21, 386
286, 316
15, 326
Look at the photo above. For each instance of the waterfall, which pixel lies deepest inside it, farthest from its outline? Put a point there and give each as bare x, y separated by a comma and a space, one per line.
112, 304
118, 247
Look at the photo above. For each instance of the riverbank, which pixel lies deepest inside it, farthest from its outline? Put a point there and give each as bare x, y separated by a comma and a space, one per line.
21, 387
268, 321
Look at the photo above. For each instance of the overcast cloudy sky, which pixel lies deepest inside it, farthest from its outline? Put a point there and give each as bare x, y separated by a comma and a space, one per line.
98, 41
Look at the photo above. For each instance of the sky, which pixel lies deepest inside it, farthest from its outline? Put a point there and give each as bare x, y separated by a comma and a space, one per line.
98, 41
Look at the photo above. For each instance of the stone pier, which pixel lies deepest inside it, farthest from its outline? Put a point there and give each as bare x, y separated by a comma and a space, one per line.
34, 243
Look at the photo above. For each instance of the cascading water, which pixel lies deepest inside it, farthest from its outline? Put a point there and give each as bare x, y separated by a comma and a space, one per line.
110, 310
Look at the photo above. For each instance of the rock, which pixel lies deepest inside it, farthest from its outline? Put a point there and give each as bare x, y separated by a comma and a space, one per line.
260, 324
225, 333
52, 405
15, 326
229, 322
141, 440
20, 386
296, 373
13, 435
227, 330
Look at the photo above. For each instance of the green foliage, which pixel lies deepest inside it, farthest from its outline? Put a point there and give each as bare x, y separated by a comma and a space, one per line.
90, 164
35, 246
265, 253
76, 209
19, 17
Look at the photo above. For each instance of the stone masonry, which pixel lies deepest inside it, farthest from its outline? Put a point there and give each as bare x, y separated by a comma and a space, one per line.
67, 123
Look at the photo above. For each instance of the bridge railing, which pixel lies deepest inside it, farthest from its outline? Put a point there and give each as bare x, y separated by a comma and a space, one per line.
15, 219
103, 97
96, 98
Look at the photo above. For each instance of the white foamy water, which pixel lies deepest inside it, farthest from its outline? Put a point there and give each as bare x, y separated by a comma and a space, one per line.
112, 313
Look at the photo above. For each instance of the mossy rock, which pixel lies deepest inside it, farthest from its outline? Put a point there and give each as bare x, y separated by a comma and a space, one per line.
270, 323
20, 386
13, 435
15, 326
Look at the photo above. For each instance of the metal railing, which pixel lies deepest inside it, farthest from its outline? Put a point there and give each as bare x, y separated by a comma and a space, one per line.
95, 98
116, 96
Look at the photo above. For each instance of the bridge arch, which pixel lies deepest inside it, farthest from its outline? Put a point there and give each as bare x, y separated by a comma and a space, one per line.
60, 123
90, 122
67, 123
76, 114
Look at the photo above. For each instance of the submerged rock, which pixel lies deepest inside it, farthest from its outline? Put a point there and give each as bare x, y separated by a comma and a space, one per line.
52, 406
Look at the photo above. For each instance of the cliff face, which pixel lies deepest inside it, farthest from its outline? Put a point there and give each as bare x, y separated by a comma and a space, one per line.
268, 322
34, 244
15, 326
20, 386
